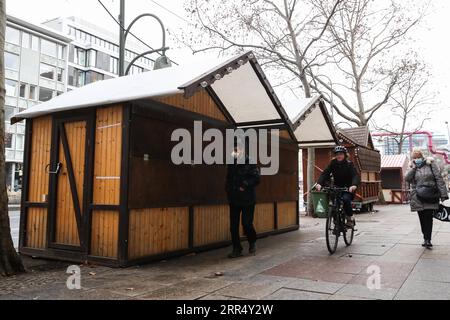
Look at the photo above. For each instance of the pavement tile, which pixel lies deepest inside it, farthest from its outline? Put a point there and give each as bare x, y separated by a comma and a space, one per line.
314, 286
424, 290
203, 284
290, 294
361, 291
173, 293
249, 290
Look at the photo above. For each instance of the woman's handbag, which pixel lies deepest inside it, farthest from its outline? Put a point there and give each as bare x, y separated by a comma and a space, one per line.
443, 214
429, 194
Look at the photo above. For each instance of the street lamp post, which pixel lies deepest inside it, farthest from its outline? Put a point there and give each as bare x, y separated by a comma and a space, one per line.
448, 131
161, 62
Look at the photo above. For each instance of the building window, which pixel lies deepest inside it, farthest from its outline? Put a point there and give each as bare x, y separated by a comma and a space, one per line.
8, 140
60, 52
33, 91
12, 36
20, 141
34, 43
79, 57
92, 77
60, 74
11, 88
48, 48
47, 71
26, 40
45, 94
12, 61
113, 65
22, 90
76, 77
9, 112
92, 58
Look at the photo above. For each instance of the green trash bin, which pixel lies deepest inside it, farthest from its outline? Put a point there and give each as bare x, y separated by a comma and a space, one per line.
321, 203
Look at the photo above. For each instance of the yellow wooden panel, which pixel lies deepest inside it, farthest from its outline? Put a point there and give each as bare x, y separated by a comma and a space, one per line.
108, 147
66, 229
287, 214
39, 158
264, 217
105, 234
157, 231
200, 102
211, 224
36, 228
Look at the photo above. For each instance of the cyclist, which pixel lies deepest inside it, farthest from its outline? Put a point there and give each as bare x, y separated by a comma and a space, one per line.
345, 176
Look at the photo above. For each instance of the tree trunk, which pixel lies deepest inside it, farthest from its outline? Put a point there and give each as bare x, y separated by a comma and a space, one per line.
10, 262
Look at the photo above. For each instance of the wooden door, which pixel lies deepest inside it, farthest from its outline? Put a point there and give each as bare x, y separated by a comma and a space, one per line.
69, 183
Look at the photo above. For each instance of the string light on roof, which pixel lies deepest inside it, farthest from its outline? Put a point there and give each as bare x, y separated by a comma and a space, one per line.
204, 84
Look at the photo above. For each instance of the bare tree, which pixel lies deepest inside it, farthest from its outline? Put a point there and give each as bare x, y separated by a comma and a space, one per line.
285, 34
364, 34
10, 262
412, 103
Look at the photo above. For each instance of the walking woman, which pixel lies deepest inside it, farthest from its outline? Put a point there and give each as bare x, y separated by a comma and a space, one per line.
427, 188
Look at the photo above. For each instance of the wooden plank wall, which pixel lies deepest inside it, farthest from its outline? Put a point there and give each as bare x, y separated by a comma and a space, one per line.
211, 224
157, 231
163, 230
66, 231
287, 214
36, 226
105, 234
106, 184
108, 144
200, 102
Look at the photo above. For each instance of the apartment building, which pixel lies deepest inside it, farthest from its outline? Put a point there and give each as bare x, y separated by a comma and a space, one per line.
94, 52
35, 71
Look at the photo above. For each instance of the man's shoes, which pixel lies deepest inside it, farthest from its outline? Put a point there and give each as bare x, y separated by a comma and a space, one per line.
252, 248
428, 244
350, 222
235, 254
424, 244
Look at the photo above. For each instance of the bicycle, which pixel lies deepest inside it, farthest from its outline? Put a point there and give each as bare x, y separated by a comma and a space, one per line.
336, 223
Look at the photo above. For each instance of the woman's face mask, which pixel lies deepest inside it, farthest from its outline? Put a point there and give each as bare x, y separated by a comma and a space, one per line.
418, 162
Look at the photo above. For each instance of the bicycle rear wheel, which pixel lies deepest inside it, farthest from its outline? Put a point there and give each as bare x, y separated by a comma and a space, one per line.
332, 231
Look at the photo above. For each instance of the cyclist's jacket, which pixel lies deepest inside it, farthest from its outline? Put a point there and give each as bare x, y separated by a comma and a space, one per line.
344, 174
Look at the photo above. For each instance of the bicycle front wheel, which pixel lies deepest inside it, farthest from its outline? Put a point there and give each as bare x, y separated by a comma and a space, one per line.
332, 232
348, 236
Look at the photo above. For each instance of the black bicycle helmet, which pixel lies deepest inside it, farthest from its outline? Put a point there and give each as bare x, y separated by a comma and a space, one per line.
340, 149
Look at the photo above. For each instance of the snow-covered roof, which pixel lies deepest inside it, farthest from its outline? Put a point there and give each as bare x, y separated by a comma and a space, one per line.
312, 124
239, 84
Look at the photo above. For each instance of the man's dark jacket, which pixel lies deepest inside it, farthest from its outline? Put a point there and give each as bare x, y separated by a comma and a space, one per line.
344, 174
246, 176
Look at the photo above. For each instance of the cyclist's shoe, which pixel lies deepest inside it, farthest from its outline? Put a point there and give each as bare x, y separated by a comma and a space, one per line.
350, 222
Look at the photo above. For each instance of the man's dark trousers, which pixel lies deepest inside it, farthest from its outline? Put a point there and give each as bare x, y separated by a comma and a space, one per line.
248, 213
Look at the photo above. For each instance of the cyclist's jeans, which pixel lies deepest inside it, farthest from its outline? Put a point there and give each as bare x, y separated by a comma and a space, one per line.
347, 199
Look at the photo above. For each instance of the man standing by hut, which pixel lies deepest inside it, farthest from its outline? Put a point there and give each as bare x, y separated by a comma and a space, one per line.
242, 178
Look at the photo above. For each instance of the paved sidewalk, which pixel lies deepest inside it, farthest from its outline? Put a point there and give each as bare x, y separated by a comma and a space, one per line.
290, 266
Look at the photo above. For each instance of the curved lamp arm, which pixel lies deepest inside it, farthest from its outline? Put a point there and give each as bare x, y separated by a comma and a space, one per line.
163, 49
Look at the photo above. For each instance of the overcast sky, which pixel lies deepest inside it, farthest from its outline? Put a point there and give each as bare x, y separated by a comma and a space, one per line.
432, 38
